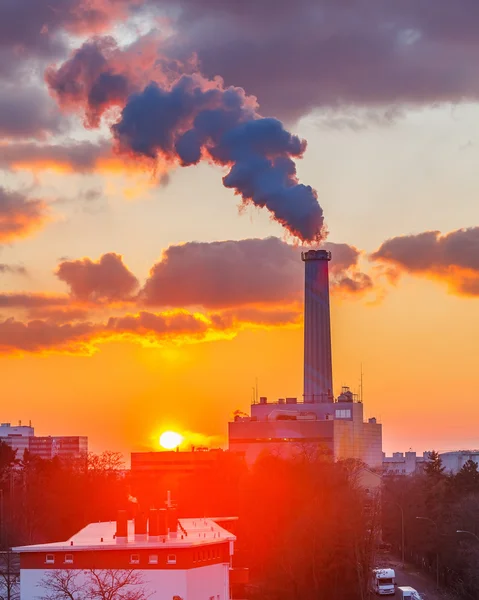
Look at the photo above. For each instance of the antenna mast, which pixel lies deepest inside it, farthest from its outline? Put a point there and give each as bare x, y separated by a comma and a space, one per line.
361, 384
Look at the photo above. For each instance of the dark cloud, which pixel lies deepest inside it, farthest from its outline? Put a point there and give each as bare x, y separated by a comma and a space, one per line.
32, 29
27, 113
38, 336
222, 274
355, 283
298, 56
99, 75
105, 280
240, 273
452, 257
20, 216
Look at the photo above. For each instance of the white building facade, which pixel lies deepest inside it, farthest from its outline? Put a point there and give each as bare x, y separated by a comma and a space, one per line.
189, 562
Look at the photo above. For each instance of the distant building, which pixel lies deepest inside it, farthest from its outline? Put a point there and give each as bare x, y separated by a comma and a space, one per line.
288, 427
187, 559
407, 463
403, 463
16, 436
454, 461
21, 437
47, 447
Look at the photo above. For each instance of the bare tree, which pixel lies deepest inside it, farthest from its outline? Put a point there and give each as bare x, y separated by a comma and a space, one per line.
63, 585
116, 584
9, 576
94, 584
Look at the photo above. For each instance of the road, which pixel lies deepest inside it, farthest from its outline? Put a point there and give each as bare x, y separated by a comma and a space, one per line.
410, 575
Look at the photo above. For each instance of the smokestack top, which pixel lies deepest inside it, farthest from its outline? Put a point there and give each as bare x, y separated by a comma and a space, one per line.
316, 255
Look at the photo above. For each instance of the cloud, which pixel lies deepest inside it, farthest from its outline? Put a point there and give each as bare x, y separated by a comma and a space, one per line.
38, 336
145, 328
27, 113
13, 269
318, 53
241, 273
99, 75
105, 280
452, 258
52, 314
32, 30
32, 300
81, 157
20, 216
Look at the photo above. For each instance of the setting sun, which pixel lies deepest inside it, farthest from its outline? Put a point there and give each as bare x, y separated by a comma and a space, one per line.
170, 440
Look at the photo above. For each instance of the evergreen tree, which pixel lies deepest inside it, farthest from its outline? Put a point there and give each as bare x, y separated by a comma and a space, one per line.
467, 480
433, 466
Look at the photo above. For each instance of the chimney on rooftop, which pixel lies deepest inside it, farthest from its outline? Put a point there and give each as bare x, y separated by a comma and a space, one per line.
318, 372
121, 535
172, 517
140, 526
153, 535
162, 522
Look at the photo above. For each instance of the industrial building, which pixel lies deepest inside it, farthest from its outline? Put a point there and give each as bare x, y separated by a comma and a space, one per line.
334, 425
21, 437
187, 559
408, 463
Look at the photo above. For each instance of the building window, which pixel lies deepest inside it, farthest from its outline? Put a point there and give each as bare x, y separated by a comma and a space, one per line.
68, 558
153, 559
50, 559
343, 413
171, 560
134, 559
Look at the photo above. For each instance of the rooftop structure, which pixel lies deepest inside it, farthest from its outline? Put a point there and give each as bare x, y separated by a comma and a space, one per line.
186, 558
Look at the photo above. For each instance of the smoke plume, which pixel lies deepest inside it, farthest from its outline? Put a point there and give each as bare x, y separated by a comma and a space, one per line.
185, 119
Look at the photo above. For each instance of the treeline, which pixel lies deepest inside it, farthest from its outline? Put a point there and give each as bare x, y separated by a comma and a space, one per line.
306, 528
49, 500
431, 507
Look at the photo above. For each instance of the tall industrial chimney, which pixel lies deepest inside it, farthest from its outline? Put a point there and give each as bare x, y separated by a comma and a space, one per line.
318, 372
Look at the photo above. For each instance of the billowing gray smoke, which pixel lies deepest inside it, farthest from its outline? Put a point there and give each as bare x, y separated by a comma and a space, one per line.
192, 119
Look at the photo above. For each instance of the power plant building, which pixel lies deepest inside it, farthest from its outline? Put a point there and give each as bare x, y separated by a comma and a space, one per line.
289, 426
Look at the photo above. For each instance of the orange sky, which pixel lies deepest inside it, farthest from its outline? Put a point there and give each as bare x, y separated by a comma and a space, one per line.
132, 350
418, 360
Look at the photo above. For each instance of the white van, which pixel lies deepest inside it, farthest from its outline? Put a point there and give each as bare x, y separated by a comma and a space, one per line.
384, 582
406, 592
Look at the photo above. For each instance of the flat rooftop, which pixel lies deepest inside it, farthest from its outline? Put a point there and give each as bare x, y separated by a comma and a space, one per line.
191, 532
